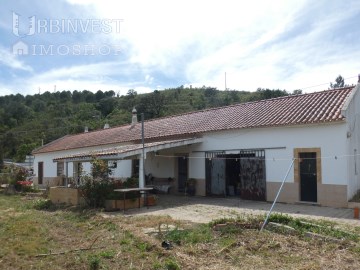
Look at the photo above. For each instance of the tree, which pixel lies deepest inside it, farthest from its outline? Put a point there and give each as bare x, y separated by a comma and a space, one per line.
23, 150
297, 92
339, 82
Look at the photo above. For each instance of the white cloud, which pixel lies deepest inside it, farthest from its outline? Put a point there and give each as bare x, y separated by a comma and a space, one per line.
93, 77
272, 44
10, 60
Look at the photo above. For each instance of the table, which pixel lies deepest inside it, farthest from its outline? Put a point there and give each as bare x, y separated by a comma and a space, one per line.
144, 190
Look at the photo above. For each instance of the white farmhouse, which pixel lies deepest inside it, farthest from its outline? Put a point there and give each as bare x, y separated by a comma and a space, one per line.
239, 150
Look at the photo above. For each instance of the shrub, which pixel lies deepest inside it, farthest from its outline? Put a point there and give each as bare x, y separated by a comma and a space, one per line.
100, 169
95, 191
42, 204
131, 182
24, 186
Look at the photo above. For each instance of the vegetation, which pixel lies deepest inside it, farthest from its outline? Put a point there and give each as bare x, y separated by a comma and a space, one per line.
27, 122
36, 234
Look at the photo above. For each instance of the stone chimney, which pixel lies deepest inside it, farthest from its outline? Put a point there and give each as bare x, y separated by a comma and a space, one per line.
134, 119
359, 78
86, 129
106, 126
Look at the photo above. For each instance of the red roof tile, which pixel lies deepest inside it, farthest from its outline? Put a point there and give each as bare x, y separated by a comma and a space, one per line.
318, 107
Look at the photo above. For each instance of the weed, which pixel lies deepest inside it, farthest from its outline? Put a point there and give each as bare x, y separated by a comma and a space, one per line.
281, 218
107, 254
171, 264
143, 246
111, 226
42, 204
94, 262
198, 234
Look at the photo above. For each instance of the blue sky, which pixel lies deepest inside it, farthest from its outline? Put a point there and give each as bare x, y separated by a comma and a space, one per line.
147, 45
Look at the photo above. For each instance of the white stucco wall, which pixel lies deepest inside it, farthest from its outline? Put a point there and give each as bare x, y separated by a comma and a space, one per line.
50, 167
352, 114
123, 169
197, 165
162, 167
330, 138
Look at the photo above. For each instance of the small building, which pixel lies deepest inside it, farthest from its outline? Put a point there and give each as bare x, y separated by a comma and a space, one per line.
238, 150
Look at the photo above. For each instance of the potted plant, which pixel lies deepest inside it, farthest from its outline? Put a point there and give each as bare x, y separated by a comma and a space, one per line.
151, 200
191, 186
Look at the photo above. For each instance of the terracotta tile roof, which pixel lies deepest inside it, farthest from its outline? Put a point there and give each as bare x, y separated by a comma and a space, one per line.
318, 107
130, 149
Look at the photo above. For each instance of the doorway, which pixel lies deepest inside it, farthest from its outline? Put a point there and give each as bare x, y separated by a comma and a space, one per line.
308, 177
241, 174
182, 163
40, 173
215, 173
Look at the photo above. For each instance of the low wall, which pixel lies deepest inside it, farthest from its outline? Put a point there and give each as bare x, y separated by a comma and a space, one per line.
66, 195
113, 205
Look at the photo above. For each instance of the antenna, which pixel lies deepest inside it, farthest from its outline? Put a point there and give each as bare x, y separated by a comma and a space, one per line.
225, 82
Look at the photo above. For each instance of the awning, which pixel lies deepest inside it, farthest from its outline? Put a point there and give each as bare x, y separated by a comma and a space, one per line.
126, 151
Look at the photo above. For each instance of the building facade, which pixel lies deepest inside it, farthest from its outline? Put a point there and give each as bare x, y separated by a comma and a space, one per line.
240, 150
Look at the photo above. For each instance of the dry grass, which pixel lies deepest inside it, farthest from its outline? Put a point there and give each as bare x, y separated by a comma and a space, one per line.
121, 243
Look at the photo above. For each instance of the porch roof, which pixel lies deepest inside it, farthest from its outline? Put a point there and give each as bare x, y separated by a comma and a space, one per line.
126, 151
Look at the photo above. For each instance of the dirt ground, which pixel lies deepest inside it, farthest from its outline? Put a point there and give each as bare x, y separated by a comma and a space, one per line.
205, 209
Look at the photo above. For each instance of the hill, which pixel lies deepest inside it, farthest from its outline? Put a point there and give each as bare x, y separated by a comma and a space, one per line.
27, 122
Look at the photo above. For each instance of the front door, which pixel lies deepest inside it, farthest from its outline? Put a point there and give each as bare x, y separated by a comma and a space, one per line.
40, 172
218, 176
308, 177
182, 173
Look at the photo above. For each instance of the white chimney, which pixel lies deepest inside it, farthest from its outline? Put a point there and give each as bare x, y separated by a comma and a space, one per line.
106, 126
86, 129
134, 119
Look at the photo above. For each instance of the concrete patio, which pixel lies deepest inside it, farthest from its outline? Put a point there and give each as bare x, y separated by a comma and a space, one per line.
205, 209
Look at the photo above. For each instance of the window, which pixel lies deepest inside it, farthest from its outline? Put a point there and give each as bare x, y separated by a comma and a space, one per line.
135, 168
60, 168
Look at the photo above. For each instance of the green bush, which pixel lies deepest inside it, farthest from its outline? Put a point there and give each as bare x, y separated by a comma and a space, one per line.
95, 191
131, 182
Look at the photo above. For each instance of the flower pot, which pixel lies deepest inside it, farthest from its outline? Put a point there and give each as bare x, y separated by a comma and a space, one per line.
151, 200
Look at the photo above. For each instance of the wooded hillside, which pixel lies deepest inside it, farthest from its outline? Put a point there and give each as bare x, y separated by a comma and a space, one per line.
28, 121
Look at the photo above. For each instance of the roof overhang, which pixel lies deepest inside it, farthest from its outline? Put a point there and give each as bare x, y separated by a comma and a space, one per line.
127, 151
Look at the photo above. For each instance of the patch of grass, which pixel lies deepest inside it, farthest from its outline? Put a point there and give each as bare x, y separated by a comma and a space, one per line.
119, 242
325, 228
42, 204
199, 234
171, 264
107, 254
110, 226
94, 262
281, 218
144, 246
